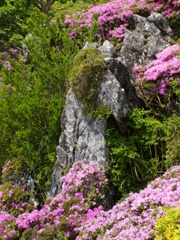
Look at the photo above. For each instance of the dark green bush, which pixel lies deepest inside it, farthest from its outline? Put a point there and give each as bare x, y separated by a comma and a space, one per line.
172, 129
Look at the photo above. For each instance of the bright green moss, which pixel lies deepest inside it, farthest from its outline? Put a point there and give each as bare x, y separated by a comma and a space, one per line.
85, 79
87, 73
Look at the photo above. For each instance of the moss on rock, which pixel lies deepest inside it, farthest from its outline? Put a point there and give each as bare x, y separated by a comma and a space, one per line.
85, 79
87, 73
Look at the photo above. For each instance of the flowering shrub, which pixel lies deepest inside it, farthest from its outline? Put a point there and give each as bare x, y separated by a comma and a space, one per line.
161, 77
109, 16
75, 212
79, 201
13, 198
135, 217
113, 17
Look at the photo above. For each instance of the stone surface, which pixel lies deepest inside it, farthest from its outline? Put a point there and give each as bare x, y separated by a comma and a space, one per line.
150, 36
118, 92
108, 49
161, 23
90, 45
81, 139
84, 139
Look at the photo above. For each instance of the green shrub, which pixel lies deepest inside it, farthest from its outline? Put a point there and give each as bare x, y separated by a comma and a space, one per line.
137, 157
168, 226
12, 18
172, 129
32, 99
174, 22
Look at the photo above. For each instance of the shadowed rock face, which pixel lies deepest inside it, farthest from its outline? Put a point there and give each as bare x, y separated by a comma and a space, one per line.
150, 36
84, 139
118, 92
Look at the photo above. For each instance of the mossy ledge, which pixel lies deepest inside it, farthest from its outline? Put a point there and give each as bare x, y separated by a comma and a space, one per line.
85, 79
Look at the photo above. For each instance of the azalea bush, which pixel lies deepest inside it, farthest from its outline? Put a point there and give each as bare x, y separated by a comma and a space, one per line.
159, 81
77, 211
136, 216
81, 198
113, 17
14, 199
158, 85
151, 144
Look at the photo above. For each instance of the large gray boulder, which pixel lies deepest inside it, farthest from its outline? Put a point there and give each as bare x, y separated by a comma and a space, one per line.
150, 36
83, 138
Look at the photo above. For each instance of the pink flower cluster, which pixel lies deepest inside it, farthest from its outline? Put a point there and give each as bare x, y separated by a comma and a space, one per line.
11, 201
114, 16
110, 16
5, 221
5, 168
81, 188
135, 217
162, 71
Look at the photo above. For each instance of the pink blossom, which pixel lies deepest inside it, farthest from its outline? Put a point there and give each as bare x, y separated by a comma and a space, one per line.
10, 193
4, 169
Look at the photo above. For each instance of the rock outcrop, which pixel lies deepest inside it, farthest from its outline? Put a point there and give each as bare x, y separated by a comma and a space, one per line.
84, 139
150, 36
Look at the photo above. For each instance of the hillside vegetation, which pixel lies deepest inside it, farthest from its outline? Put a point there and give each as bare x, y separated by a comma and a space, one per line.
40, 59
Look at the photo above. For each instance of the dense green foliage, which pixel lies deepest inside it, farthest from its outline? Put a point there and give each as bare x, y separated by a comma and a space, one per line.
137, 157
33, 96
150, 147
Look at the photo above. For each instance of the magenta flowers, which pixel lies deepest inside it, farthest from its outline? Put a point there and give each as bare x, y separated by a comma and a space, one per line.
161, 71
113, 17
134, 218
